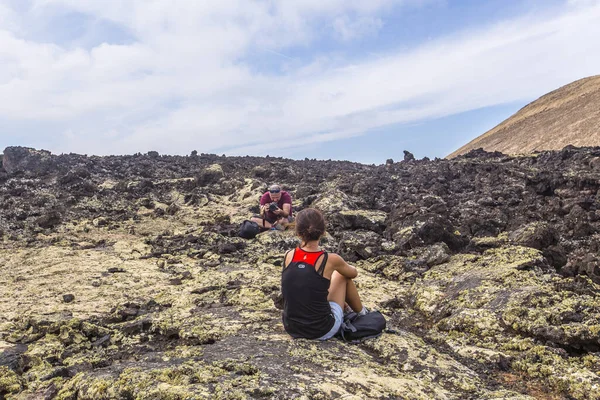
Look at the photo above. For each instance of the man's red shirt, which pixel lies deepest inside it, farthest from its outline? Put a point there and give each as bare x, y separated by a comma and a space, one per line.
284, 199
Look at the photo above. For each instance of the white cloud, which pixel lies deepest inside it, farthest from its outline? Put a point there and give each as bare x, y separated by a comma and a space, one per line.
348, 29
583, 3
184, 83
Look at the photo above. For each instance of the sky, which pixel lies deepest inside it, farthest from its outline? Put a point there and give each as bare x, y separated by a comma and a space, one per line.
328, 79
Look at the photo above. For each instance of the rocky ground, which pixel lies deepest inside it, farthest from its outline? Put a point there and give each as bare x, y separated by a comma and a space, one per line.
123, 277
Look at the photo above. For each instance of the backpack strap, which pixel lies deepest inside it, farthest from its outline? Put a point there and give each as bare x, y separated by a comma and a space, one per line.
283, 266
263, 215
346, 327
322, 267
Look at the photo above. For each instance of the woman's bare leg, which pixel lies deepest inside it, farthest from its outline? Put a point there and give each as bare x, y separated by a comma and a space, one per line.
352, 297
343, 290
337, 288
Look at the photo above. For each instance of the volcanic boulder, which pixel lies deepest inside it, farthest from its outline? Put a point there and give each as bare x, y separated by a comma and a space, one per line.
538, 235
210, 174
428, 230
359, 219
360, 244
26, 159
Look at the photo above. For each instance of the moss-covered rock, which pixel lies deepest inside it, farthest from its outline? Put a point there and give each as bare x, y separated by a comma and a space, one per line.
10, 382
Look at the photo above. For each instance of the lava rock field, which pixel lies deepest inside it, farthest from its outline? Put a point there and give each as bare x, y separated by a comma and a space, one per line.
123, 277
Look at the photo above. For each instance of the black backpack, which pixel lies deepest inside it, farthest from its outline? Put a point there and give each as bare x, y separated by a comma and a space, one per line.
249, 229
356, 328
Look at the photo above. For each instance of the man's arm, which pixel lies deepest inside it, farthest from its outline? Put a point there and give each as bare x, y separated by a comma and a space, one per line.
285, 212
287, 205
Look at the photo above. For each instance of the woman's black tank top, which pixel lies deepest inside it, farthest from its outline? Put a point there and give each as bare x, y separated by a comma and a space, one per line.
306, 311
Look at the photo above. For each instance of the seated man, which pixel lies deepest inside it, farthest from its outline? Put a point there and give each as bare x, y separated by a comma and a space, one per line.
275, 208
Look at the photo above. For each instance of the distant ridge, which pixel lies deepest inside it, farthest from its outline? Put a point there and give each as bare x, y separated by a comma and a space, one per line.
569, 115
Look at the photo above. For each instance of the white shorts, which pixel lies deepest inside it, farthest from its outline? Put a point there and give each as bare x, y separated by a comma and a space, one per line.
338, 314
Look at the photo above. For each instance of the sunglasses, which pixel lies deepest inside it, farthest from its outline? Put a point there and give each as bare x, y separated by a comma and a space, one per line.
275, 191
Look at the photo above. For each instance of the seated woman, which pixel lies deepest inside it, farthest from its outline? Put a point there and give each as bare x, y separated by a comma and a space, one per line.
316, 286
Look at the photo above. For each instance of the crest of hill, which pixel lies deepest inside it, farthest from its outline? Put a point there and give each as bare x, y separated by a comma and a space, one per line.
569, 115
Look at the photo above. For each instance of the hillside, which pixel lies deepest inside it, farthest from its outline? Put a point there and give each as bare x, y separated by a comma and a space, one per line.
569, 115
123, 277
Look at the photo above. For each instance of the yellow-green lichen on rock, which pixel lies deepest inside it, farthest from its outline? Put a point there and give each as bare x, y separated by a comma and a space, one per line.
190, 380
333, 201
482, 301
10, 382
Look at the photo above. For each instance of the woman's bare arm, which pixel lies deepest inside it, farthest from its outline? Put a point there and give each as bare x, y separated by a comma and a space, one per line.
342, 266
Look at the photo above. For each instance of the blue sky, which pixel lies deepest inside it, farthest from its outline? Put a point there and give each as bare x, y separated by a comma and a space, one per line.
339, 79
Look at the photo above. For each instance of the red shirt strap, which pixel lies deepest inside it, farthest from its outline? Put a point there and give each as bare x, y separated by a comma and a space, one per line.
308, 257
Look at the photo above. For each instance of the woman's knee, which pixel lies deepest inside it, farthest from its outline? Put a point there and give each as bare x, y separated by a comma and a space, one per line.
338, 279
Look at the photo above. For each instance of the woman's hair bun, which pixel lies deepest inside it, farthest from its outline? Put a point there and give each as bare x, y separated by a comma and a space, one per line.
310, 224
